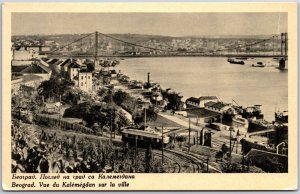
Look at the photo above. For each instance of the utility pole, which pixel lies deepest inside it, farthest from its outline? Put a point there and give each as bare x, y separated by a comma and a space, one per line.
110, 116
162, 145
237, 143
145, 119
96, 46
230, 129
135, 155
189, 135
59, 116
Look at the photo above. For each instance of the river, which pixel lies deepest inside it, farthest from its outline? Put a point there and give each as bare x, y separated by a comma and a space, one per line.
201, 76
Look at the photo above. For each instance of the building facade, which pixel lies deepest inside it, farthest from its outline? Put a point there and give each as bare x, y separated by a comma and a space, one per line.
85, 80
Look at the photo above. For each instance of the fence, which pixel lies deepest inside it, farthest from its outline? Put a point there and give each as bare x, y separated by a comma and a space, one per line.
66, 125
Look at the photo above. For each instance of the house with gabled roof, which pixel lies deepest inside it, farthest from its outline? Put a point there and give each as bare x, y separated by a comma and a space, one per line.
193, 102
37, 67
73, 69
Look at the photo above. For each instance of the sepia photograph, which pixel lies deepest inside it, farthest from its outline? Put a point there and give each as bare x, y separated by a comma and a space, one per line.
148, 92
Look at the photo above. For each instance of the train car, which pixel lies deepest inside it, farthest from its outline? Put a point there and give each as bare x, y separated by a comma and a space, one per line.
144, 137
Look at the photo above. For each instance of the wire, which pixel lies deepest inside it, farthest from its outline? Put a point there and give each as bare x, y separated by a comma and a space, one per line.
73, 42
172, 51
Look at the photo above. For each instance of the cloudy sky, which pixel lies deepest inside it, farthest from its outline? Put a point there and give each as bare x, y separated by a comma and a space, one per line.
170, 24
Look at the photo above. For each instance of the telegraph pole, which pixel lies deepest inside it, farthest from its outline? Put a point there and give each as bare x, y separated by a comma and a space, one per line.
189, 135
59, 111
111, 116
145, 119
96, 46
230, 129
135, 155
162, 143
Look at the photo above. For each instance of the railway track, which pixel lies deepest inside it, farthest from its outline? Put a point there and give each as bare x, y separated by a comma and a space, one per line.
175, 165
188, 163
180, 162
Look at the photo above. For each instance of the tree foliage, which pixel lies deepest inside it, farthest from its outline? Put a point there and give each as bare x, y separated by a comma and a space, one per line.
54, 87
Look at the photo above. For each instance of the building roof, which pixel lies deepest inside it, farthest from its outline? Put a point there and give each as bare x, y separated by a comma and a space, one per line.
66, 62
85, 71
193, 99
113, 71
219, 105
35, 68
31, 77
208, 98
210, 103
74, 65
142, 133
52, 61
18, 68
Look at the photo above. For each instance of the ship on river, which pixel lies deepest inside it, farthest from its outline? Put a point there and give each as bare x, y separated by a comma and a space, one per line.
235, 61
281, 117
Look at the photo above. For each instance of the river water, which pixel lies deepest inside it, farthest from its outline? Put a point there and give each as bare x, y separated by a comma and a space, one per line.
200, 76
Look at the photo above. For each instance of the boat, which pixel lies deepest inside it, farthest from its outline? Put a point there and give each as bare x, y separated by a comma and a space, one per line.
281, 117
242, 58
258, 64
259, 125
251, 113
239, 121
234, 61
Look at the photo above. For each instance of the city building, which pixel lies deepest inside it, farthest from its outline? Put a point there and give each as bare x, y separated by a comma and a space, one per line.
73, 70
85, 80
218, 107
17, 83
37, 67
200, 102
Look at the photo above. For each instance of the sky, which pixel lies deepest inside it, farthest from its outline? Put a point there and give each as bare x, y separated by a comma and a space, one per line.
168, 24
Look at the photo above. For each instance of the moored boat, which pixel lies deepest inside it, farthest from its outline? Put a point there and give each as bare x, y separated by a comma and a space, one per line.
239, 121
281, 117
234, 61
258, 64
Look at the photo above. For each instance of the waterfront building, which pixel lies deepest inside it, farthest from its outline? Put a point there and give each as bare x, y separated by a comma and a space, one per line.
200, 102
218, 107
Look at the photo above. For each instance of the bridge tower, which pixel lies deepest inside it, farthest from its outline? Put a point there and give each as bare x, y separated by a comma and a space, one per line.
96, 49
284, 44
284, 50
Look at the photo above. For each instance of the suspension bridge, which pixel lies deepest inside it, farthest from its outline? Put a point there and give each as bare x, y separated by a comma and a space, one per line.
98, 44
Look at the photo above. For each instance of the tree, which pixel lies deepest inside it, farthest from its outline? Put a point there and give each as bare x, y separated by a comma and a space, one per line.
174, 101
90, 66
280, 135
119, 97
151, 115
54, 87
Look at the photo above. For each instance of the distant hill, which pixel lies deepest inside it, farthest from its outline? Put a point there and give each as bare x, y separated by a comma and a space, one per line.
138, 37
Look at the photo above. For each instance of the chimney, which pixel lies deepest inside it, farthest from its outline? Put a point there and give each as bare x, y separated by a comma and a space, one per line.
148, 77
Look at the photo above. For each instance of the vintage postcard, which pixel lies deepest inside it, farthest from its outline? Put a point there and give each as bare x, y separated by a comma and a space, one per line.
149, 96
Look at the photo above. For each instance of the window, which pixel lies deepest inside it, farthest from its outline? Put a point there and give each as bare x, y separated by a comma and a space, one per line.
89, 77
82, 77
81, 83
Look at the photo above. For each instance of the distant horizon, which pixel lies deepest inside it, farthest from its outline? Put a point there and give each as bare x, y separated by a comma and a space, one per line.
156, 24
